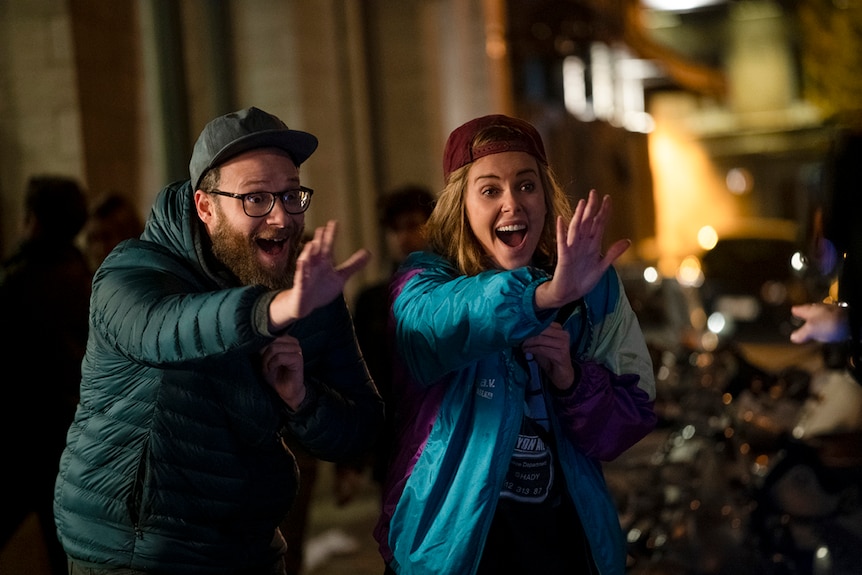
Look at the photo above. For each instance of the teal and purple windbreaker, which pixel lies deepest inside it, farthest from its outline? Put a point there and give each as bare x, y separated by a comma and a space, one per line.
460, 396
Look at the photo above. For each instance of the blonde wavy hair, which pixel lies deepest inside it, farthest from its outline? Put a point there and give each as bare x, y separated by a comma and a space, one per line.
448, 231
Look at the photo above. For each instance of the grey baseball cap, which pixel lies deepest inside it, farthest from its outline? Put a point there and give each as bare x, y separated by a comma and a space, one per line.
232, 134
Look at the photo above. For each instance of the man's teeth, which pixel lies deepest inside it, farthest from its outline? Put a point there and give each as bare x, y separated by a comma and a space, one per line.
512, 228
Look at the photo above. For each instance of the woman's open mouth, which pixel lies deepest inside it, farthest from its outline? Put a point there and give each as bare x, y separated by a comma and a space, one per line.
512, 235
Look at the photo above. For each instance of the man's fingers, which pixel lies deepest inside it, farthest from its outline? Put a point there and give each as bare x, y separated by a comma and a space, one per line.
328, 236
354, 263
322, 241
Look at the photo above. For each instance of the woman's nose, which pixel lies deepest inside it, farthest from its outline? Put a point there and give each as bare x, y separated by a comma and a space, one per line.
510, 201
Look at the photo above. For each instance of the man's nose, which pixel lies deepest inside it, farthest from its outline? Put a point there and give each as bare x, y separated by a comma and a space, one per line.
279, 214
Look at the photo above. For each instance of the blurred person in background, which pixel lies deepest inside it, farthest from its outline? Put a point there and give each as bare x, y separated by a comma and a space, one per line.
402, 215
840, 250
524, 368
823, 322
112, 219
213, 337
44, 298
808, 504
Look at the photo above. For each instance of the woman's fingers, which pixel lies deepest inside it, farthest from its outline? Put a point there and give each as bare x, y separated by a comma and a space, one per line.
617, 249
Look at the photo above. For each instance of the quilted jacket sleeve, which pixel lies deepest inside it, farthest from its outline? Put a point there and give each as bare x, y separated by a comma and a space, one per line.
342, 413
158, 313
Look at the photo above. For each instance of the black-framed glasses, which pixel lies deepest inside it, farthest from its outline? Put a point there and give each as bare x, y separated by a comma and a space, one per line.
259, 204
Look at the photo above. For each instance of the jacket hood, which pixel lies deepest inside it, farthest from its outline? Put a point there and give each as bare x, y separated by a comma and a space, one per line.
173, 223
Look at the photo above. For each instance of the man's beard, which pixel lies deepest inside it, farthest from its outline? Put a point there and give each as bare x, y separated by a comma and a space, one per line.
239, 254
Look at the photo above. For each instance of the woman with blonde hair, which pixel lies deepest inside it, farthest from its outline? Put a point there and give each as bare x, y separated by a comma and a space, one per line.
521, 368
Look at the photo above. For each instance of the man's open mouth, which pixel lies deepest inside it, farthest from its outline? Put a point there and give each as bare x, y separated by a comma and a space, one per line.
271, 247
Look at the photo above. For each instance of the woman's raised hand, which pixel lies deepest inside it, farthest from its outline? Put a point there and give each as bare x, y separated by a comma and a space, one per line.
580, 262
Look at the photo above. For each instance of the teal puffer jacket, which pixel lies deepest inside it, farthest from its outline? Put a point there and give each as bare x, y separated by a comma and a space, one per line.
175, 461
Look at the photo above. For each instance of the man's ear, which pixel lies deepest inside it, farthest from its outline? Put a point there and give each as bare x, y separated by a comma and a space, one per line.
205, 206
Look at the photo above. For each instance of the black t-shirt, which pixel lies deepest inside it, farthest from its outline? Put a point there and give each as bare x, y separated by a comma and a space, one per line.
536, 529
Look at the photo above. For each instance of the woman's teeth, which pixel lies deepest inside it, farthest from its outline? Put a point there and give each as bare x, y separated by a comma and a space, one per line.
512, 228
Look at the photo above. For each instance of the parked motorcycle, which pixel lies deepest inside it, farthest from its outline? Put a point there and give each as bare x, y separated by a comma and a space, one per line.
756, 469
808, 514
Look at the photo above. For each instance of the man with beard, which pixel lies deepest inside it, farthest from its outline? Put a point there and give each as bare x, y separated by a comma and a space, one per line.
214, 339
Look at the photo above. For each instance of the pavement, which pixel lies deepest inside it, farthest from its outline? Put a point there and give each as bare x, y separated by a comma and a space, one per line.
339, 537
672, 488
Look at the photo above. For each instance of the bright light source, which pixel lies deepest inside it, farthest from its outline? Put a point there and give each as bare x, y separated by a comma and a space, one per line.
651, 275
690, 272
707, 237
739, 181
602, 70
716, 323
679, 5
798, 261
575, 89
638, 122
609, 86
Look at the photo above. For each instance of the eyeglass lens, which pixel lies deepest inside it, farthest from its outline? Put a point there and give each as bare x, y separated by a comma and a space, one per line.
261, 203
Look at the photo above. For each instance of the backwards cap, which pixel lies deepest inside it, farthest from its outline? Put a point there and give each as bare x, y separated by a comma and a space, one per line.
232, 134
520, 136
